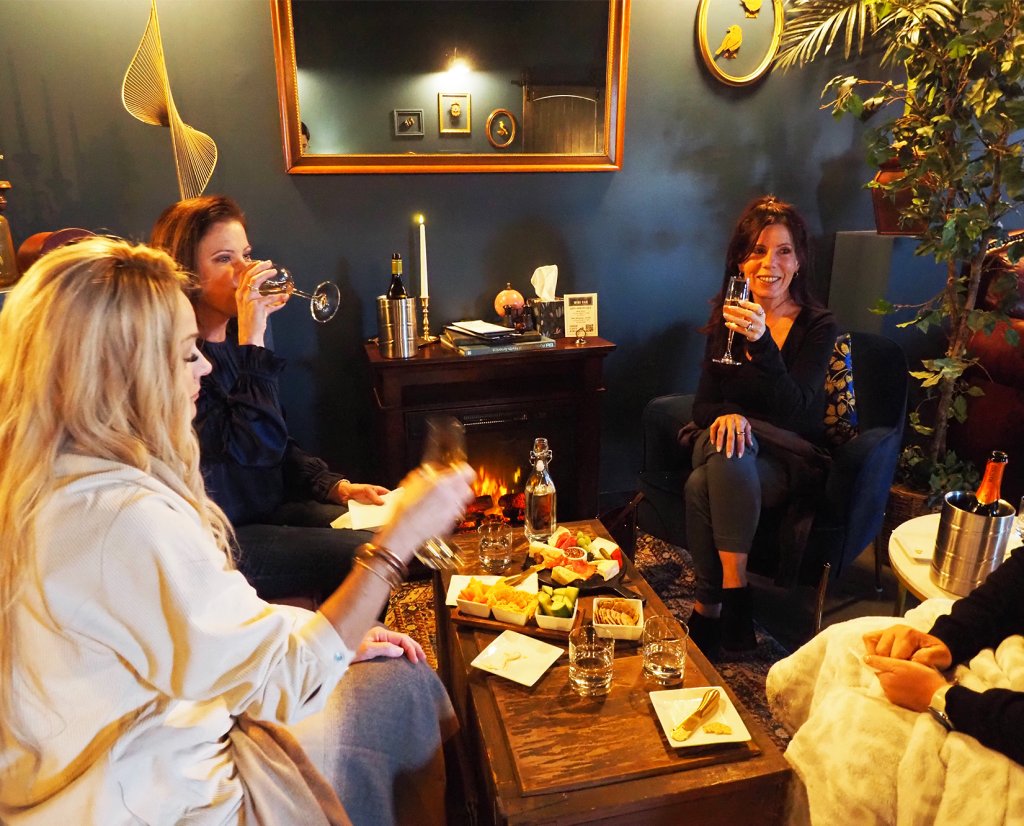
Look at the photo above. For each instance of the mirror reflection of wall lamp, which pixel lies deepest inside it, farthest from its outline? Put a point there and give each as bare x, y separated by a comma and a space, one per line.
458, 65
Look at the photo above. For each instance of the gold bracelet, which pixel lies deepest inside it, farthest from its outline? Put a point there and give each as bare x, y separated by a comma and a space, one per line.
397, 569
368, 549
379, 574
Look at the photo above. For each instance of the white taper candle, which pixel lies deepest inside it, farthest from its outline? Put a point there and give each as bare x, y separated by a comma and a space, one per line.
424, 292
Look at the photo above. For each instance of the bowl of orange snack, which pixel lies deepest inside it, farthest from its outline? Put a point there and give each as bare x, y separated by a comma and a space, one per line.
472, 599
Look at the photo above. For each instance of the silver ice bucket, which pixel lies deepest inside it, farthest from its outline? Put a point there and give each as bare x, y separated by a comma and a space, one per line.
397, 331
969, 547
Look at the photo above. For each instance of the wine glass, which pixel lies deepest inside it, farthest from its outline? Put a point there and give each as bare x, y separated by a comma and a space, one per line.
445, 446
737, 291
323, 302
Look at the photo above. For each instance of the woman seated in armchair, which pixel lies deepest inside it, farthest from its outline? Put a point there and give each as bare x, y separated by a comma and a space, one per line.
144, 680
919, 722
782, 341
280, 499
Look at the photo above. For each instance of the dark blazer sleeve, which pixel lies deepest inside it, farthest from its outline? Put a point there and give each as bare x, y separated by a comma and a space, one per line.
794, 391
710, 401
306, 475
983, 619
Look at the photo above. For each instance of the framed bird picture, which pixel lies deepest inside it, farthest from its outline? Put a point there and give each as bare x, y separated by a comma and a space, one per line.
501, 128
738, 39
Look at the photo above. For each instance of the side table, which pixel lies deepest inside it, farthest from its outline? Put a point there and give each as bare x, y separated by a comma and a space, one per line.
911, 547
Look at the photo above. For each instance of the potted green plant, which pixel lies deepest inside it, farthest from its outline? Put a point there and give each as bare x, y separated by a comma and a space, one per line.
951, 114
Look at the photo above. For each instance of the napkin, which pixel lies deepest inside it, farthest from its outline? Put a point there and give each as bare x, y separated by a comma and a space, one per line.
362, 517
544, 280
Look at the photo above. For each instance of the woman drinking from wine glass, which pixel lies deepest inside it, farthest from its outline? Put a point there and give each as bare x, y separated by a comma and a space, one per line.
780, 340
280, 499
142, 679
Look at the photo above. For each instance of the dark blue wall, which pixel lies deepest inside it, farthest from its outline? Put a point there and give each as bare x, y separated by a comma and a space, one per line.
649, 239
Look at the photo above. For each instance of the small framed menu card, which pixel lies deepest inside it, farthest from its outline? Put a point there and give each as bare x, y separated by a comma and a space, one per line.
580, 315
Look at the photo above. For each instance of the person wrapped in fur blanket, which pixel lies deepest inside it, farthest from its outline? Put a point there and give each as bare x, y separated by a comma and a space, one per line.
916, 723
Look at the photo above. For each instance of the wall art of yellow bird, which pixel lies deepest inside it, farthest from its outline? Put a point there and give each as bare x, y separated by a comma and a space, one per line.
731, 42
751, 7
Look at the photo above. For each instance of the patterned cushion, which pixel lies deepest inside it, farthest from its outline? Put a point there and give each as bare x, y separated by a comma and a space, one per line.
840, 404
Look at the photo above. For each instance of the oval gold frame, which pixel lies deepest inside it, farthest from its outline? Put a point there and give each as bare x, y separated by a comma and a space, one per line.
490, 135
708, 56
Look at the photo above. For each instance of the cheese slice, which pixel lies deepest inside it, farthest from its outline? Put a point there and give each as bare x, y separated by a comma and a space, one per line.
599, 545
607, 568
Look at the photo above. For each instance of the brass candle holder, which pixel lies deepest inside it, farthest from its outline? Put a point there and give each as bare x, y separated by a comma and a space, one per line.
425, 324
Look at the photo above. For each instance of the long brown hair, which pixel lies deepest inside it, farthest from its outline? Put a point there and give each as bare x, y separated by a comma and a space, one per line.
758, 214
90, 364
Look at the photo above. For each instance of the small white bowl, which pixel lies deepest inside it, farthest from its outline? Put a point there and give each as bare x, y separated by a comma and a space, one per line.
620, 632
557, 623
474, 609
509, 616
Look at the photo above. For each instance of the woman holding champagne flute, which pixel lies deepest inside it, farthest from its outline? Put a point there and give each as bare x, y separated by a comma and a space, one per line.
766, 357
280, 499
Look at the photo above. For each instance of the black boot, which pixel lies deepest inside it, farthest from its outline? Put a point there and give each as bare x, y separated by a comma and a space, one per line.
738, 620
706, 633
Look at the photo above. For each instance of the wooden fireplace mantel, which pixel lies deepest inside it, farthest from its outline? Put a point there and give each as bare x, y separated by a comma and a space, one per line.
566, 381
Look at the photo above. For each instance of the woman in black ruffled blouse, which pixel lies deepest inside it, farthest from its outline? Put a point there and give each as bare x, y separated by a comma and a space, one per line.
280, 499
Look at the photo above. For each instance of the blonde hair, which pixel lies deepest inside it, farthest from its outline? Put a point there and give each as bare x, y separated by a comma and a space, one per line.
89, 363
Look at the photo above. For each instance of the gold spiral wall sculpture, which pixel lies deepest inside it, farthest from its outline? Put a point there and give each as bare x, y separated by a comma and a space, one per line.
146, 94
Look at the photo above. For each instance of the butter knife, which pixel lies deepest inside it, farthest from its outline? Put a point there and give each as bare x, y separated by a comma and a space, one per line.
515, 579
705, 711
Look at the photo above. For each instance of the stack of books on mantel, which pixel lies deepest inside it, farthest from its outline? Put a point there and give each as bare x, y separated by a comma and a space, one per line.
480, 338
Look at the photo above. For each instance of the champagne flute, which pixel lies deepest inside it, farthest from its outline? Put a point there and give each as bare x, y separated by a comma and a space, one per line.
445, 446
737, 291
323, 302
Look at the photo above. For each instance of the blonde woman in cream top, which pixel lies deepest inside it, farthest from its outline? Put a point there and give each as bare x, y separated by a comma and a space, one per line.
143, 678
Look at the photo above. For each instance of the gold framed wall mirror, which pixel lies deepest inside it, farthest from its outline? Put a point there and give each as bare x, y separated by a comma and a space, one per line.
376, 88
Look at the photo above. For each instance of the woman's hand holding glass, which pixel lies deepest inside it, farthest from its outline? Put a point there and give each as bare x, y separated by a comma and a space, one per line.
731, 433
431, 504
746, 318
253, 307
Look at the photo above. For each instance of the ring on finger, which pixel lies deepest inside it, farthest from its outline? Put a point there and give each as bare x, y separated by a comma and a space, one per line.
254, 288
750, 325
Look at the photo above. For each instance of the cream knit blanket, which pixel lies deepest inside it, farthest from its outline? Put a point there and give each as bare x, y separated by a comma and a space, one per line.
863, 760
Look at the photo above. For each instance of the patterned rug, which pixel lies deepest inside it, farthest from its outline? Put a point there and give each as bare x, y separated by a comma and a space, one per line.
670, 573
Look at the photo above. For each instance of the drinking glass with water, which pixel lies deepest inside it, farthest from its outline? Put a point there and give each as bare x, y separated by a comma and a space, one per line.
591, 660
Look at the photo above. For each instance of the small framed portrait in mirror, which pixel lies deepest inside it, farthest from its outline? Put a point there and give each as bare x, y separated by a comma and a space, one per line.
408, 123
453, 113
501, 128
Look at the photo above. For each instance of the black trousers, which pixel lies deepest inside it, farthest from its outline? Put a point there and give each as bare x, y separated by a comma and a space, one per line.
297, 553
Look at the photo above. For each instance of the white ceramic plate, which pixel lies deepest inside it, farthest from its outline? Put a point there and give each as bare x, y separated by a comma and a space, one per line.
460, 581
675, 705
517, 657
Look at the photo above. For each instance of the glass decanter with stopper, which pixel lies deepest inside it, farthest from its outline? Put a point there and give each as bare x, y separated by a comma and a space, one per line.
541, 512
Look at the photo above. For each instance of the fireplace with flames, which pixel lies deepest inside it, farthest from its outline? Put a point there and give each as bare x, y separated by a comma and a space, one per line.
498, 448
505, 402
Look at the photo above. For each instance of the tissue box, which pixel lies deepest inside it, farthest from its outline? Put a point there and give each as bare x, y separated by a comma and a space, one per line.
548, 317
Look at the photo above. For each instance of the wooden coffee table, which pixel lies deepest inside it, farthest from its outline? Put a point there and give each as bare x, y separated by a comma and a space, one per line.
545, 755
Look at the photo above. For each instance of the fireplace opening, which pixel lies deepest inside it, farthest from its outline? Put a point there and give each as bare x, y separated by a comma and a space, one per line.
498, 446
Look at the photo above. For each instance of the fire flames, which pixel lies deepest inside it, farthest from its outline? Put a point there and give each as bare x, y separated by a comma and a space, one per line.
495, 499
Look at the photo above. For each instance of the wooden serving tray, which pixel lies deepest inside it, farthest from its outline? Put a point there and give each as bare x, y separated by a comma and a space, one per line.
531, 629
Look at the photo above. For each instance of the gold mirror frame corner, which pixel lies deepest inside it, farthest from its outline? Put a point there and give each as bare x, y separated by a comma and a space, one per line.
298, 164
706, 53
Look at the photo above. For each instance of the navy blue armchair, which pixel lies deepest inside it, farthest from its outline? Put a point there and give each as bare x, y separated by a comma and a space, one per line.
849, 512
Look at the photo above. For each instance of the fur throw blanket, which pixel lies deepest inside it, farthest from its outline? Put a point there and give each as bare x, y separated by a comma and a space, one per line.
863, 760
